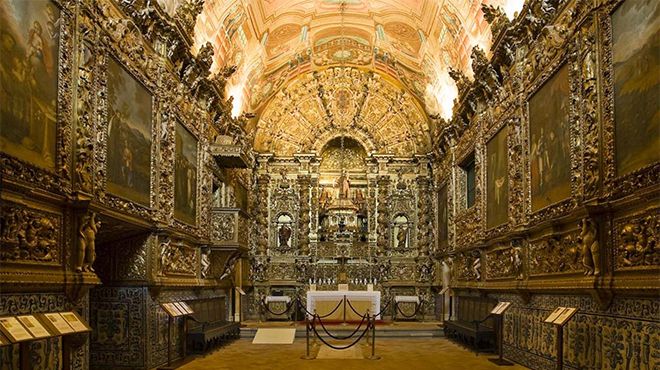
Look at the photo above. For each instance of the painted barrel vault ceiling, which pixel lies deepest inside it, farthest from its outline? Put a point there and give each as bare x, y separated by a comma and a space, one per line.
376, 70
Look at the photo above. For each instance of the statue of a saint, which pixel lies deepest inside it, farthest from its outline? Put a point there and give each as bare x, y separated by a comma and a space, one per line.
344, 186
284, 236
401, 237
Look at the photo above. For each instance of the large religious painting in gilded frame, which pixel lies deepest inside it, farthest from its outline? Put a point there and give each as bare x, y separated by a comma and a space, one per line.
497, 180
636, 64
549, 145
129, 136
185, 175
29, 45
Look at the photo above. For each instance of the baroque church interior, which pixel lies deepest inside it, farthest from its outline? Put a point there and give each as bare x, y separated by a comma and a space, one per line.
312, 184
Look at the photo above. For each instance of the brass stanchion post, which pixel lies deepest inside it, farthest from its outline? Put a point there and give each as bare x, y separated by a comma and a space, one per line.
307, 356
373, 339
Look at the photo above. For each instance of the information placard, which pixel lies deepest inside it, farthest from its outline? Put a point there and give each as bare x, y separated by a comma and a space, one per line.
180, 308
187, 308
14, 330
554, 314
34, 326
560, 315
58, 323
500, 308
171, 309
565, 316
75, 322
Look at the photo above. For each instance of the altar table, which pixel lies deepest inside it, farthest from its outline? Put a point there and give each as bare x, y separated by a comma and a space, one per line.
361, 300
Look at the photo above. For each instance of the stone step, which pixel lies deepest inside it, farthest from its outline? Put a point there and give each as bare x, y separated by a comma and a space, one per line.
384, 330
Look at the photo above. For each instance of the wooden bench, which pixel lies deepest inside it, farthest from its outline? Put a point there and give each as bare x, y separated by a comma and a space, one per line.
208, 326
473, 324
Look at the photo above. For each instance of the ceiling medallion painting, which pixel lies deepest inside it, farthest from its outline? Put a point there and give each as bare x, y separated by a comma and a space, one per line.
317, 106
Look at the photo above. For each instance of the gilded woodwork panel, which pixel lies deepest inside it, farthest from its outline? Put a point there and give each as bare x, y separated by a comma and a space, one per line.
554, 255
177, 258
30, 235
505, 263
223, 228
636, 241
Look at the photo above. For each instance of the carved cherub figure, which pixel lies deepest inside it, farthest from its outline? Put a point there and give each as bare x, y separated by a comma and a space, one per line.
86, 242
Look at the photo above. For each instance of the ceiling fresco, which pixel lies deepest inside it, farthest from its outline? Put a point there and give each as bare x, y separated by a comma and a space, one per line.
277, 45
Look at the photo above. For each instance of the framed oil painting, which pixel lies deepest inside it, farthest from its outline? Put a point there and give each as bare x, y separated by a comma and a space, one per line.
443, 217
497, 180
636, 64
29, 45
550, 148
129, 136
185, 175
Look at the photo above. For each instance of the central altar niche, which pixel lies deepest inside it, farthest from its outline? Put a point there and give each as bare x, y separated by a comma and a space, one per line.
343, 253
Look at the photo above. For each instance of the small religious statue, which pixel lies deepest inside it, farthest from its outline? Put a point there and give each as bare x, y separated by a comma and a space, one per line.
86, 242
205, 262
401, 237
344, 186
590, 247
447, 265
517, 263
476, 265
324, 200
284, 236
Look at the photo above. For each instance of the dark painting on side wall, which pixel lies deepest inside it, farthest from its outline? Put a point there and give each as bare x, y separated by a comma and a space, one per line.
28, 80
550, 149
185, 175
636, 62
129, 136
497, 180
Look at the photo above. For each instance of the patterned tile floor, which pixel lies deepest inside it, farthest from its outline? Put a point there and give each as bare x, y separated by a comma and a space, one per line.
395, 353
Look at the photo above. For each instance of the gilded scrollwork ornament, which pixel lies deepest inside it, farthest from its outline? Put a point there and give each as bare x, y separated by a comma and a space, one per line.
637, 242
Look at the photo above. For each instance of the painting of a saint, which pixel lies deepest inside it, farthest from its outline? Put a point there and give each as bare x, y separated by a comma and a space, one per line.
443, 217
129, 136
497, 189
185, 176
550, 149
28, 80
636, 63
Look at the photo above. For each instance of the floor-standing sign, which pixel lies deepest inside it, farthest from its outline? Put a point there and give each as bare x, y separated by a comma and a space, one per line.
498, 313
559, 317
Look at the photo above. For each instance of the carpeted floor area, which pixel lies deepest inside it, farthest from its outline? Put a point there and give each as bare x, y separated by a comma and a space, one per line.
395, 353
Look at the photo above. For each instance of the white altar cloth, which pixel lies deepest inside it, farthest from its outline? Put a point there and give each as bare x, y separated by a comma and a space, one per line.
351, 295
